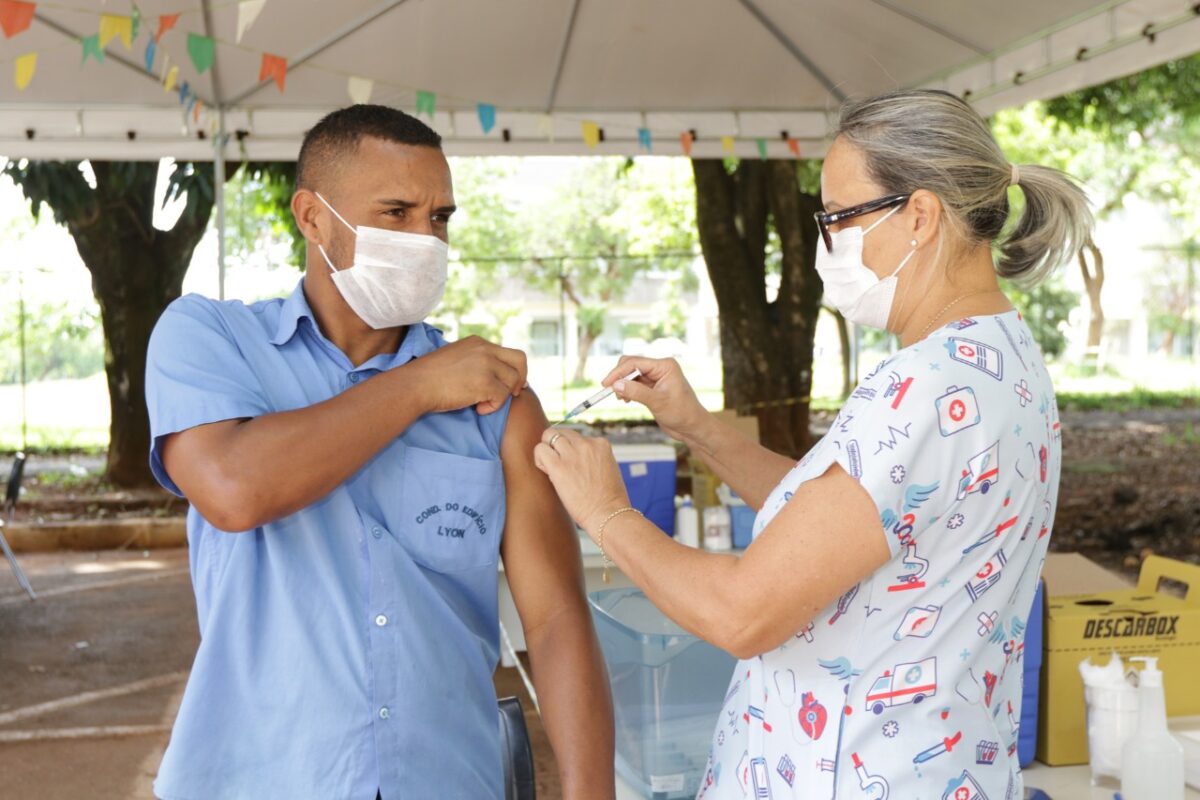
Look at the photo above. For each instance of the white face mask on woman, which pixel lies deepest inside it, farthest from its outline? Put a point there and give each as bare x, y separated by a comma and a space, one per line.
397, 278
850, 285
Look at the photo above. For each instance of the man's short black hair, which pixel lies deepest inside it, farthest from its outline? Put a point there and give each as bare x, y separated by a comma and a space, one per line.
339, 133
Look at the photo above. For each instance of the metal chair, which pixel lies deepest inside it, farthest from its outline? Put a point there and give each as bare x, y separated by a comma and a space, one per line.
519, 783
11, 493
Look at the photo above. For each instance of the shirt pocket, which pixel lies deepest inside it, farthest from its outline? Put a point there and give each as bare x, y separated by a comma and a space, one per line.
453, 509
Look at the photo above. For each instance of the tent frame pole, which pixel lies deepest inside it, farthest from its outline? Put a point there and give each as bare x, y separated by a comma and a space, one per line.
219, 185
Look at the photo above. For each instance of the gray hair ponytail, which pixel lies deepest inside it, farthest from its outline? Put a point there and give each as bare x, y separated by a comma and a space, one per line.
923, 139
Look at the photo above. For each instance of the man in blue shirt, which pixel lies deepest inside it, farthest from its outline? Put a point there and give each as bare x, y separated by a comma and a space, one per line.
353, 481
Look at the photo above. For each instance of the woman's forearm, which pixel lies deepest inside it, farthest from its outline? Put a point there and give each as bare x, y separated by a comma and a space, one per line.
750, 469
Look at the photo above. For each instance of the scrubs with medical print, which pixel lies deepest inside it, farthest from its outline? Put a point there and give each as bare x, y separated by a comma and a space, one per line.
909, 685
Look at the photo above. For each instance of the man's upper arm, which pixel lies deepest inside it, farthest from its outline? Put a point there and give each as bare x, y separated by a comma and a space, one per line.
540, 547
195, 375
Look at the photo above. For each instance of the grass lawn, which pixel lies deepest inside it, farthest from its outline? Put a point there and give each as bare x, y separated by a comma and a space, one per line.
74, 414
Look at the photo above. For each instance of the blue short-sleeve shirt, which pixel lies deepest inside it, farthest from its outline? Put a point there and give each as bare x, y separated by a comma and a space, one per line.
348, 648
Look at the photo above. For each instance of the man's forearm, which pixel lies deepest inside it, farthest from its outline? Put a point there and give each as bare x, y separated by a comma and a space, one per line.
750, 469
576, 703
270, 466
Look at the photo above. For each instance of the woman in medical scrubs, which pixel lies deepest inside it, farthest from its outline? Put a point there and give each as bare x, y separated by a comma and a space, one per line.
879, 613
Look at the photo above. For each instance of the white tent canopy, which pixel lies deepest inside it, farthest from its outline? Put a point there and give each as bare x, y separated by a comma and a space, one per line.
741, 74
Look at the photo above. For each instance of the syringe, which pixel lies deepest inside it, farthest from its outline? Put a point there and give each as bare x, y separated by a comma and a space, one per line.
594, 399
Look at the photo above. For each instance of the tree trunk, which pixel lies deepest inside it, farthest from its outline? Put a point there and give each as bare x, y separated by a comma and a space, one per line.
766, 347
1093, 280
586, 340
844, 341
137, 271
1168, 343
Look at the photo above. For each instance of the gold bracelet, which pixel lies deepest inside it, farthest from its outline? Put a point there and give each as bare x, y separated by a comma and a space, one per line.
600, 536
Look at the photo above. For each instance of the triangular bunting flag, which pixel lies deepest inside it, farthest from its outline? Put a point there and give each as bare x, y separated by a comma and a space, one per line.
23, 73
762, 148
686, 139
248, 11
201, 49
136, 18
151, 49
794, 146
172, 76
487, 116
727, 144
15, 16
114, 25
644, 140
591, 134
184, 91
91, 47
360, 89
426, 103
273, 67
165, 23
196, 110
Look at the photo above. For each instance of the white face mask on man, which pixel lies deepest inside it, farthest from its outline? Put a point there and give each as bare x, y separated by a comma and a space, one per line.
850, 285
397, 278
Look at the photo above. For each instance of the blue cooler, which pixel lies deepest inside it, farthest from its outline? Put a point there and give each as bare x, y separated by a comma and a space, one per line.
741, 517
649, 474
1031, 677
668, 688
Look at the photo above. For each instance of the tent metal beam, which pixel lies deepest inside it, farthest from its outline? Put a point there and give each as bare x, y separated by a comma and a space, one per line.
930, 25
218, 155
794, 49
337, 36
117, 57
562, 55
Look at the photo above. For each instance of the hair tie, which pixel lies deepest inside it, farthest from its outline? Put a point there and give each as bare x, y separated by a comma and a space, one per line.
1016, 176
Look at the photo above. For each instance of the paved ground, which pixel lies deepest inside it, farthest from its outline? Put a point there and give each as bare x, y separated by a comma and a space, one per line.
121, 624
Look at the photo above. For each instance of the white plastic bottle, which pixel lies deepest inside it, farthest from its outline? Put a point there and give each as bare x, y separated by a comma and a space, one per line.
687, 523
718, 528
1152, 760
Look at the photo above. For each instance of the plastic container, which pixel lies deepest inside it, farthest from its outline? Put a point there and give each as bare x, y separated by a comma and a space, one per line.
1112, 715
1186, 731
668, 688
1152, 760
687, 523
741, 516
649, 474
1031, 678
718, 528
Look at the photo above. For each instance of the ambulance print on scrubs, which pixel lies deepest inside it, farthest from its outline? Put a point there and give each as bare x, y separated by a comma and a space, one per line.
908, 686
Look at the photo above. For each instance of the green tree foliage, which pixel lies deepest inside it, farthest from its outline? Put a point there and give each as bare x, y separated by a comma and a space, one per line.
60, 342
258, 202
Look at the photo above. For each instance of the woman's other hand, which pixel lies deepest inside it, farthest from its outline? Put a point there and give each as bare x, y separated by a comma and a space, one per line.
585, 475
664, 390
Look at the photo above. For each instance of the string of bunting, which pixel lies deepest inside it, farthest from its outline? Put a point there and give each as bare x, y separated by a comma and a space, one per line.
16, 16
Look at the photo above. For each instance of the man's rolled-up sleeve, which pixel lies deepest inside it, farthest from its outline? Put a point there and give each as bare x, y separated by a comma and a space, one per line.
195, 375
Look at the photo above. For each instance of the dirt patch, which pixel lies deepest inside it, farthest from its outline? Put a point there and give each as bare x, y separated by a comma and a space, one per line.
1130, 488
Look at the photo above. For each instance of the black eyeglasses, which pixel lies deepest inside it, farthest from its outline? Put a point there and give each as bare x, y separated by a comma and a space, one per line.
825, 220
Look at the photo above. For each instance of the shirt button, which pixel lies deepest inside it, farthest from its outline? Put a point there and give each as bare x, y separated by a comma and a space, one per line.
381, 620
354, 377
384, 713
377, 532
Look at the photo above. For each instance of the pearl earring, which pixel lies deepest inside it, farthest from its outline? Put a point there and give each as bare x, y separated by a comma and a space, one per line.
913, 243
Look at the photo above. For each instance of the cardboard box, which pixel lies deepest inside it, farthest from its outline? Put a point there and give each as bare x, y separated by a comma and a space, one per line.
747, 424
1146, 620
